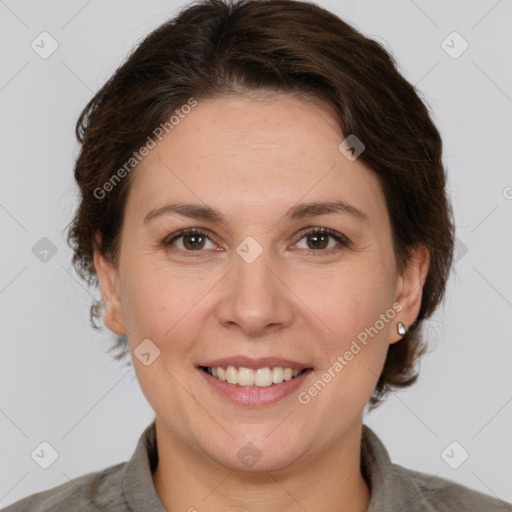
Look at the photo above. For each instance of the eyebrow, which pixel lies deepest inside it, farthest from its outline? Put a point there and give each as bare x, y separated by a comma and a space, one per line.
297, 212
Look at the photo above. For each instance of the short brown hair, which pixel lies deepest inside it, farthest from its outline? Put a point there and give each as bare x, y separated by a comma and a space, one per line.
214, 48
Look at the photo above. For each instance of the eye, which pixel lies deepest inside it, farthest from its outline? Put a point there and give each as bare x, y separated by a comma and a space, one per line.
192, 240
318, 241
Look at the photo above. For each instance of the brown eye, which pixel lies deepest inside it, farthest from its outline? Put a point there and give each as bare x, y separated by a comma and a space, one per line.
318, 240
193, 241
190, 241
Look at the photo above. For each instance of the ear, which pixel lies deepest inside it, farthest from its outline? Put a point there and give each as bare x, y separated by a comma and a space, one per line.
108, 280
410, 288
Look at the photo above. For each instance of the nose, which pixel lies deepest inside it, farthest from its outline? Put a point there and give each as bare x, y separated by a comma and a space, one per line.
256, 299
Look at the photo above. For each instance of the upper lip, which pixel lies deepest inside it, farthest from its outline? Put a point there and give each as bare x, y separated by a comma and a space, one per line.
255, 363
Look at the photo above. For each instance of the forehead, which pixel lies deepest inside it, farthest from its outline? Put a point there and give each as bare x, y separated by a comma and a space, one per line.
243, 151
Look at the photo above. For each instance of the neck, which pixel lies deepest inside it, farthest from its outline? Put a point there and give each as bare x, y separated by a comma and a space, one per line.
329, 481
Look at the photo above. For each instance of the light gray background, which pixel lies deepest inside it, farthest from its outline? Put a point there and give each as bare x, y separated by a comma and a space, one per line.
57, 382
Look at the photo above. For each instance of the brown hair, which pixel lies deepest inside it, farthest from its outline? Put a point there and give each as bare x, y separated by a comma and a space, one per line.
214, 48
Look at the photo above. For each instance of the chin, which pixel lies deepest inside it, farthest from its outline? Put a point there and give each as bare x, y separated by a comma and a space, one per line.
259, 456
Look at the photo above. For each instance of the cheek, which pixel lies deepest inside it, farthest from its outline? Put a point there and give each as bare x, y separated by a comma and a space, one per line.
353, 357
162, 306
163, 309
357, 313
349, 301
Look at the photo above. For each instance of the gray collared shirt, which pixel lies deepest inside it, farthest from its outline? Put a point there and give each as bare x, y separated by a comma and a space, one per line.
129, 486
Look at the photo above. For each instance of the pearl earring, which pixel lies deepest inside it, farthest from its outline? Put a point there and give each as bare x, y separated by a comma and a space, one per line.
402, 330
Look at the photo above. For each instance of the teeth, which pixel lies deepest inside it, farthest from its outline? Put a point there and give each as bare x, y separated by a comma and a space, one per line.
247, 377
262, 377
231, 375
277, 375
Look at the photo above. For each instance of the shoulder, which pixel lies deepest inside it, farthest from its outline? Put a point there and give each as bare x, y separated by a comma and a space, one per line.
118, 488
101, 490
395, 487
443, 495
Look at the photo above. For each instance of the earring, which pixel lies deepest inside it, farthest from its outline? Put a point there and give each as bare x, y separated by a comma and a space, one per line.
402, 330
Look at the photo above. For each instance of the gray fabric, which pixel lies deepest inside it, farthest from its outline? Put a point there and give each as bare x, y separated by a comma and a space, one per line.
129, 486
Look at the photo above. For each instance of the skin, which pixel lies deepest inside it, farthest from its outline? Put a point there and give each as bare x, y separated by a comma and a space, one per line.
252, 158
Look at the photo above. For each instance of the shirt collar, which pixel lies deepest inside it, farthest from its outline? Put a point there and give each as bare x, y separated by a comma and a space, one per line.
391, 487
137, 479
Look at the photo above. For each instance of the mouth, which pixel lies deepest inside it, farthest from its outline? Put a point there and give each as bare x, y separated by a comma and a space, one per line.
254, 382
264, 377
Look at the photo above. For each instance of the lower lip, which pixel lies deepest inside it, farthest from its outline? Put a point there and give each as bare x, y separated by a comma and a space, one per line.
256, 395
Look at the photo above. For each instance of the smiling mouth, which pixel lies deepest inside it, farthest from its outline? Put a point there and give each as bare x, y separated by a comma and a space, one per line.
247, 377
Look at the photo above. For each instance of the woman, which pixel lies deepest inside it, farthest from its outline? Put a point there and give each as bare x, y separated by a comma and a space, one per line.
264, 209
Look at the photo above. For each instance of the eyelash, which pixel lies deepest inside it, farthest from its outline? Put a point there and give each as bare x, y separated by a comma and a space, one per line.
167, 242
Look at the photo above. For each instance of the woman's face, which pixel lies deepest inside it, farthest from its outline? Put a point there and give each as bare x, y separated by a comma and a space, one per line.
261, 289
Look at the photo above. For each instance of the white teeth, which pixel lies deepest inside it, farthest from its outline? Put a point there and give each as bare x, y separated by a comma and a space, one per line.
263, 377
277, 375
231, 375
247, 377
